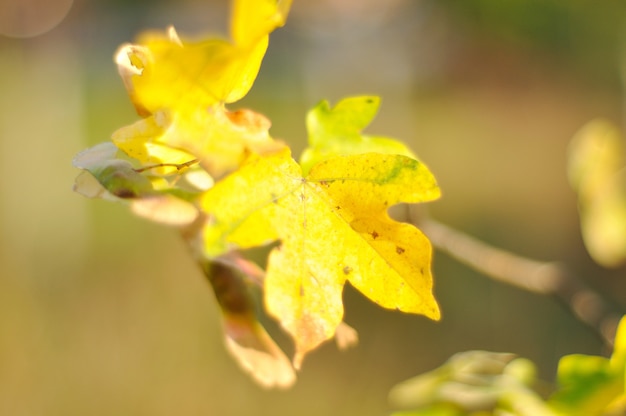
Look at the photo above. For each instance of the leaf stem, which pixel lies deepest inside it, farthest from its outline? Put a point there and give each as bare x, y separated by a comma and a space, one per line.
178, 166
545, 278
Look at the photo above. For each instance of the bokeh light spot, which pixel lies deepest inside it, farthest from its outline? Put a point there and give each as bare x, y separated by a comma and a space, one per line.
29, 18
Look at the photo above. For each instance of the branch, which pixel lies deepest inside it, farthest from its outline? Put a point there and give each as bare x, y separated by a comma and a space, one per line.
545, 278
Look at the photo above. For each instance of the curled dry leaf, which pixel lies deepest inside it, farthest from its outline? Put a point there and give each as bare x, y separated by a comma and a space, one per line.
165, 209
246, 339
257, 354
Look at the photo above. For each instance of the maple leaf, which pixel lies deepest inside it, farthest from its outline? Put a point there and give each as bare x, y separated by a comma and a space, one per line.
337, 131
333, 227
181, 86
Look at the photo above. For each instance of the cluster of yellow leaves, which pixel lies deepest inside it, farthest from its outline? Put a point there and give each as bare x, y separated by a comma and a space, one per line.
193, 163
180, 87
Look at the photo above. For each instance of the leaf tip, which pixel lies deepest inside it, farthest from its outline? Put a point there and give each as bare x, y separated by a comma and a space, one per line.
257, 354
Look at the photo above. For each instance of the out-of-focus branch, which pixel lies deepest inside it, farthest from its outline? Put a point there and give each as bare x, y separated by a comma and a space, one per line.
544, 278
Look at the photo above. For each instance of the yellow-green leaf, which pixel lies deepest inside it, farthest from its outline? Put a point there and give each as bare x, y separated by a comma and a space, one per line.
327, 237
337, 131
589, 384
597, 172
219, 139
116, 176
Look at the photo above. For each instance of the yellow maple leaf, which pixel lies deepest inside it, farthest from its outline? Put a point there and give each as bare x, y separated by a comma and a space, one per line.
180, 86
333, 227
164, 71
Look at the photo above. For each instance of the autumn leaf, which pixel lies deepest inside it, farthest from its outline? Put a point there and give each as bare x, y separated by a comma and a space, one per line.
165, 71
219, 139
597, 171
245, 338
337, 131
333, 227
180, 86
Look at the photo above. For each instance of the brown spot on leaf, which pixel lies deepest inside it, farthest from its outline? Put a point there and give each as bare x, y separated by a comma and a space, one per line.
347, 270
399, 250
374, 235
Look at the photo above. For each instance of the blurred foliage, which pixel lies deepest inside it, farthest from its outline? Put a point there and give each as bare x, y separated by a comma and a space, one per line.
569, 32
481, 383
103, 314
597, 171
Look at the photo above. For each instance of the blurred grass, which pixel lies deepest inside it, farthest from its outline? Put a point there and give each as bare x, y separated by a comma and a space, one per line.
102, 313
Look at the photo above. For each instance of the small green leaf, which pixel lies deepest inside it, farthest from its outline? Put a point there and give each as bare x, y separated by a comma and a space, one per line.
108, 177
590, 384
116, 176
337, 132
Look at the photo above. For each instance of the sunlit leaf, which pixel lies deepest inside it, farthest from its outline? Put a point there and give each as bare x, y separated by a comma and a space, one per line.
219, 139
333, 227
618, 358
165, 209
337, 131
254, 19
588, 385
180, 86
597, 171
165, 71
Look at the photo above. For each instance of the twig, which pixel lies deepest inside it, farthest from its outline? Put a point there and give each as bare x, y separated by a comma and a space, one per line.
178, 166
546, 278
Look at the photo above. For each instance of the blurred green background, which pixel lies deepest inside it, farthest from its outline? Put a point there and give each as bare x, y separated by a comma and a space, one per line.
102, 313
